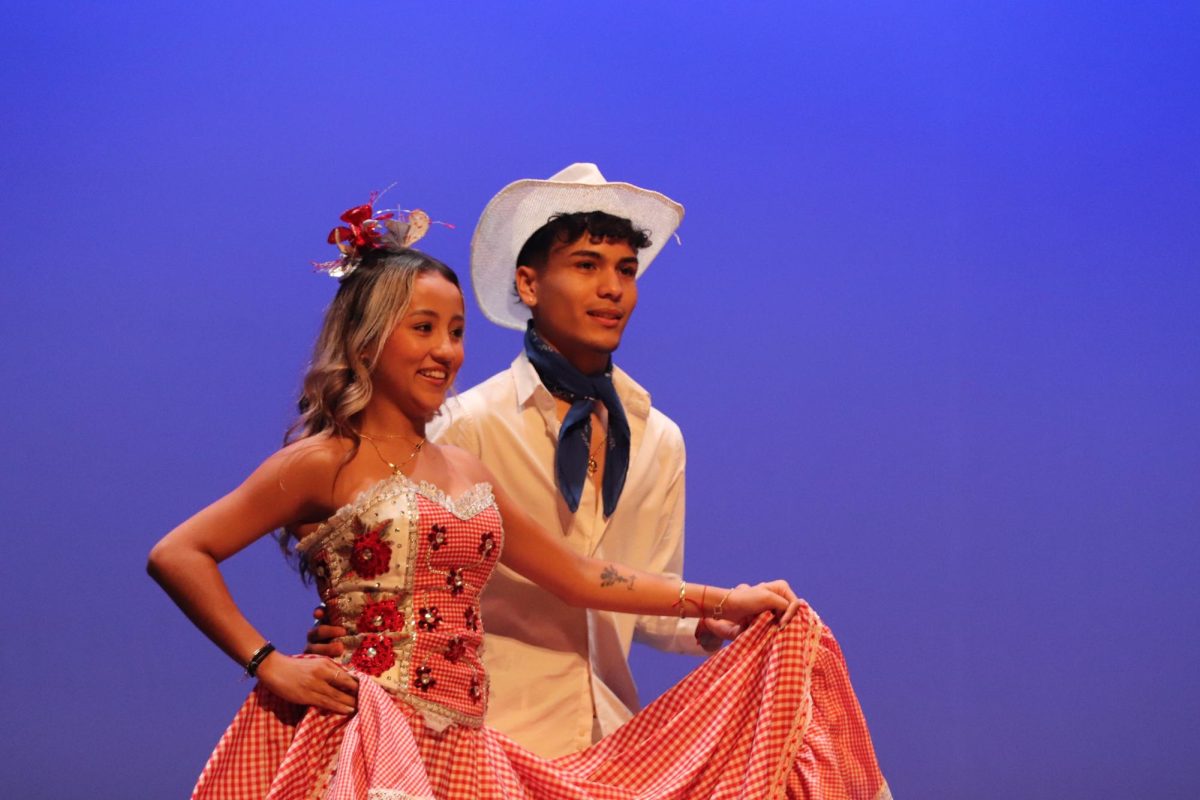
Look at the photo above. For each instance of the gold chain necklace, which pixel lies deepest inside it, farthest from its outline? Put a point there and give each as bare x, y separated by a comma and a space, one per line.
378, 436
593, 464
394, 467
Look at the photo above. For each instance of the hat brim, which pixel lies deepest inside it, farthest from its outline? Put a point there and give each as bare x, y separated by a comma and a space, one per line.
522, 207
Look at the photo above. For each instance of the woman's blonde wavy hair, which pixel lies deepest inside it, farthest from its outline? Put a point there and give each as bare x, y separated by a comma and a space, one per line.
337, 385
369, 302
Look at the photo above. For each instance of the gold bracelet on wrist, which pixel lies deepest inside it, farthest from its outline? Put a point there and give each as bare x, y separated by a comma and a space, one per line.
719, 608
682, 601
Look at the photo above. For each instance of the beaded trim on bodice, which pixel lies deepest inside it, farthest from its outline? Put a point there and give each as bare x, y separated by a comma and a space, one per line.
402, 568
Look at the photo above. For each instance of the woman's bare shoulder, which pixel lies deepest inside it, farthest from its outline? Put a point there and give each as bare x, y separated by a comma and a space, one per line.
309, 466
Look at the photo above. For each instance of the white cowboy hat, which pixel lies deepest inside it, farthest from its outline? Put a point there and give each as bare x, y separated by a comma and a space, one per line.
522, 207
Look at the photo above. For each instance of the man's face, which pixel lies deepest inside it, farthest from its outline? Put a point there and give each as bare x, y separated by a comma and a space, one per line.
583, 298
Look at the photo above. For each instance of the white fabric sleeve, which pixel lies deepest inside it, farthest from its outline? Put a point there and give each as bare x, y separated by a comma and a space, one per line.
671, 634
454, 426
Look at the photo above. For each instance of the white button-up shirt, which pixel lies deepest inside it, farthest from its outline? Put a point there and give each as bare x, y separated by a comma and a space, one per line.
558, 673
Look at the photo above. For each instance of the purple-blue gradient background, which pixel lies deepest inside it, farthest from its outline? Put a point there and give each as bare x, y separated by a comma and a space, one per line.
931, 336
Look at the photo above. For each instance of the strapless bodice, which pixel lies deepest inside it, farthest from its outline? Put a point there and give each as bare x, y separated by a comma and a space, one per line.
402, 568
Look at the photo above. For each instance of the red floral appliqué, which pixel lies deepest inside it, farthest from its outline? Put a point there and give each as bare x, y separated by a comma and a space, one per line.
374, 655
437, 537
424, 680
428, 618
371, 555
380, 616
471, 618
456, 648
475, 691
487, 543
456, 581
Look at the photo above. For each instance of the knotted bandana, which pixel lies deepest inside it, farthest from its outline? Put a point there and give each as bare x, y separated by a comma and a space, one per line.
564, 381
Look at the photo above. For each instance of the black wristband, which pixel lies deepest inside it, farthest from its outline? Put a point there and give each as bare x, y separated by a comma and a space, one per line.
259, 656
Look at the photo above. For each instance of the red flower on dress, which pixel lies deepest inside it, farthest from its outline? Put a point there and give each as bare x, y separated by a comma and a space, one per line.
475, 691
437, 537
471, 618
425, 680
380, 616
456, 648
371, 555
456, 581
428, 618
374, 655
487, 543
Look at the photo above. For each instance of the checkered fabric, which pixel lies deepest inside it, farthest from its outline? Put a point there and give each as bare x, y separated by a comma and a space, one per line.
773, 715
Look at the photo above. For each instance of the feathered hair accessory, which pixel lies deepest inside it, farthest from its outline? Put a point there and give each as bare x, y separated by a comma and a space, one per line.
367, 230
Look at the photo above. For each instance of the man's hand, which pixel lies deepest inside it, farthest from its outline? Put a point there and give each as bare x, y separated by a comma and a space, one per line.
322, 638
712, 633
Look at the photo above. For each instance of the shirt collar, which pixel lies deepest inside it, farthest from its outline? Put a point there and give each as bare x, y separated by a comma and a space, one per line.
634, 398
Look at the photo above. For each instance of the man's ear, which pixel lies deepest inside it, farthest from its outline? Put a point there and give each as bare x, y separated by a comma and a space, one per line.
526, 281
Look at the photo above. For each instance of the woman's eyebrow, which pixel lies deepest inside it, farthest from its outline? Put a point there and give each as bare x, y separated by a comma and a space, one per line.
429, 312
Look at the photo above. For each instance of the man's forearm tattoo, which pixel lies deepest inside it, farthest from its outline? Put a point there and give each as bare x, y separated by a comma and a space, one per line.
610, 577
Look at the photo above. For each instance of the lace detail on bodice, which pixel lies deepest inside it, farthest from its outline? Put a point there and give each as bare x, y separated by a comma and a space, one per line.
402, 568
467, 505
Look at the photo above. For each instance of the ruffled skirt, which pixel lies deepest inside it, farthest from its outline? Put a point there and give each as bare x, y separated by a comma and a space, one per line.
772, 715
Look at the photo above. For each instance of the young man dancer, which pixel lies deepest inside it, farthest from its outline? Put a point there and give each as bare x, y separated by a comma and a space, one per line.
577, 442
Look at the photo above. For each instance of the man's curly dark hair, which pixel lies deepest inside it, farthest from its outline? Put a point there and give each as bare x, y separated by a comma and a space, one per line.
599, 225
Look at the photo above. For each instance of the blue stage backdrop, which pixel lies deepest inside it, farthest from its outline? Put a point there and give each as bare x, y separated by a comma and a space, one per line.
931, 335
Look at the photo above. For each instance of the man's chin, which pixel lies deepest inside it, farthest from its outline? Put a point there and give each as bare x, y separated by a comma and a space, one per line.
603, 346
609, 344
603, 338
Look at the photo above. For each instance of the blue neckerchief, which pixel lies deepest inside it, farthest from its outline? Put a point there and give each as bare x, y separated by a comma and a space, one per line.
575, 435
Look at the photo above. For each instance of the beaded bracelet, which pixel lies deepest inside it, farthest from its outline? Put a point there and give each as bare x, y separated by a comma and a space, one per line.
256, 660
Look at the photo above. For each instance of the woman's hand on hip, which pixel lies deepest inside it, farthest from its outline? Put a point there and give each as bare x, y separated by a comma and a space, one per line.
316, 682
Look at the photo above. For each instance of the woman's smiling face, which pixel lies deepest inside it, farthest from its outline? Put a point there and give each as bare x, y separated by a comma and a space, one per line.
424, 351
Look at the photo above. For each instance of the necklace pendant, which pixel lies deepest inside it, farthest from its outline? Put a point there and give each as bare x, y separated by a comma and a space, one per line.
592, 466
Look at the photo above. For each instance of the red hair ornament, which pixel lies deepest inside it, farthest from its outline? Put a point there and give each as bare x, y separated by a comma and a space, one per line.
367, 230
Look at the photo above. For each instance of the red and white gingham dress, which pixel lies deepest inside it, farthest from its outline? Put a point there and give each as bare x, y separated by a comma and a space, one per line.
772, 715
